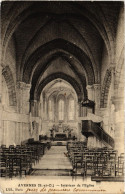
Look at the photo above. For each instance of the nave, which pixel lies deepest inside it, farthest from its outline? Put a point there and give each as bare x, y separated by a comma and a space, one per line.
54, 162
74, 159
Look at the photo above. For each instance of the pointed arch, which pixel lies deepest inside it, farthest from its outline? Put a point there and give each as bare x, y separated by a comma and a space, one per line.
6, 72
105, 88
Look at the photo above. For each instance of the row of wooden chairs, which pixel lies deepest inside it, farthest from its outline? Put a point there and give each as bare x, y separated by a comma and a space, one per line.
113, 167
77, 144
18, 160
14, 165
95, 162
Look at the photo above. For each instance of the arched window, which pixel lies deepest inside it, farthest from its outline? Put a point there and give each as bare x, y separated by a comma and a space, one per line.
71, 110
61, 109
50, 109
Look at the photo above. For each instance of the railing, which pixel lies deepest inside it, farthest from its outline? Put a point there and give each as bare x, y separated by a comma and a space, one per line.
91, 127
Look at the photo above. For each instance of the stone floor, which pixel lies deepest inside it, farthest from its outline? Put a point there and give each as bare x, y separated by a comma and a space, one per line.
53, 163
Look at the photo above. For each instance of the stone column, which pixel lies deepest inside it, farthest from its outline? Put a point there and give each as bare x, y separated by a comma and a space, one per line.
23, 95
79, 108
26, 98
39, 109
119, 124
7, 134
34, 108
19, 87
97, 88
113, 80
90, 91
40, 126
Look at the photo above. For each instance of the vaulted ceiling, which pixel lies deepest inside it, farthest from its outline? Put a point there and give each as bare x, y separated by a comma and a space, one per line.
57, 88
60, 40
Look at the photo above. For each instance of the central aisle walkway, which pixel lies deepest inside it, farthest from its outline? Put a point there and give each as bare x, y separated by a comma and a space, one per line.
54, 162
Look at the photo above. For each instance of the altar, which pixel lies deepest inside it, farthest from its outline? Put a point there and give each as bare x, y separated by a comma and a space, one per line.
60, 132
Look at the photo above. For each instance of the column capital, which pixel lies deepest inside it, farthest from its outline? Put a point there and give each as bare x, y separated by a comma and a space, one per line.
89, 87
27, 86
23, 85
20, 85
90, 92
112, 68
117, 99
97, 86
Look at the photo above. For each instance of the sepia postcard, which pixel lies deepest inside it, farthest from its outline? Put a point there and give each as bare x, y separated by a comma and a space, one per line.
62, 97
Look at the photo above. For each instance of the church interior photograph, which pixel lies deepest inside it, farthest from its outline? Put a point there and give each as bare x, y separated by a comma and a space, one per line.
62, 90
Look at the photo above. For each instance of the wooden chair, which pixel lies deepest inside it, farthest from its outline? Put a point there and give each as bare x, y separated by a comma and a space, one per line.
100, 164
4, 167
120, 165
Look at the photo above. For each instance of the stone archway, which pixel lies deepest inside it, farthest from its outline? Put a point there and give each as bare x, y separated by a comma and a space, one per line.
105, 89
6, 72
